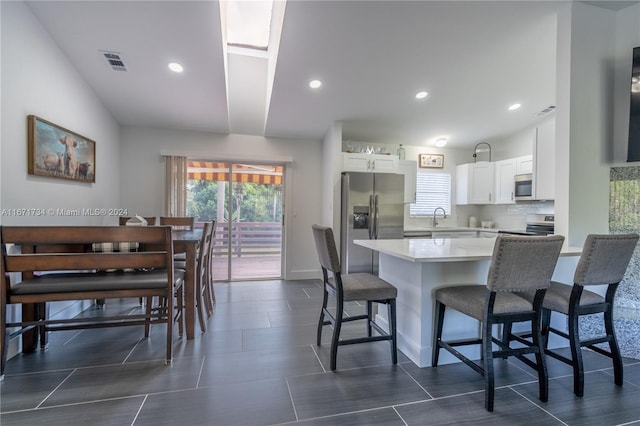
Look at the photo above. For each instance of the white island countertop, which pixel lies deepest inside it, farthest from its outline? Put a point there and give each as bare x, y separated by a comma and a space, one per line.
416, 266
442, 249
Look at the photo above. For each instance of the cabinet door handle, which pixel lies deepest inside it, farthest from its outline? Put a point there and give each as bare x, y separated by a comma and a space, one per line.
512, 196
368, 164
373, 162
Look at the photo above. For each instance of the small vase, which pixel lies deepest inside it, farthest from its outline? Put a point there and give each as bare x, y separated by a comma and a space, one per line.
401, 152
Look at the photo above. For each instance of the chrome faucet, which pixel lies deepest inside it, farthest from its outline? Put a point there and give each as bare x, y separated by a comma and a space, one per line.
444, 215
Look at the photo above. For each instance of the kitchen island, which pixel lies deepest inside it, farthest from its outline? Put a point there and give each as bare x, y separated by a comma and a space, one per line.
417, 266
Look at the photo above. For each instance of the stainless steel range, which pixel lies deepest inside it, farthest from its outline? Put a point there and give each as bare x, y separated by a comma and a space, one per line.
540, 224
537, 224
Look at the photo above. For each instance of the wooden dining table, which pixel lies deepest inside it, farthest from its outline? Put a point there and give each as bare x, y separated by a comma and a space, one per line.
184, 241
187, 241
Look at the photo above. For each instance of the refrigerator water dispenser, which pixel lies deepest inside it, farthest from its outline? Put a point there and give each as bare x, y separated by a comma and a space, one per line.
360, 217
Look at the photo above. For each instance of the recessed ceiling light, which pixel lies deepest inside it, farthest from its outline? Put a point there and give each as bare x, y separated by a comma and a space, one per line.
440, 142
421, 95
514, 107
176, 67
314, 84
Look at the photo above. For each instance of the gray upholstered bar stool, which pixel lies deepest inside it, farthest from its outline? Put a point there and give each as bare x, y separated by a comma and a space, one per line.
518, 264
604, 260
351, 287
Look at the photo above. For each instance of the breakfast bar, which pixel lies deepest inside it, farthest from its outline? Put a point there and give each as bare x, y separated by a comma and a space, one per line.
417, 266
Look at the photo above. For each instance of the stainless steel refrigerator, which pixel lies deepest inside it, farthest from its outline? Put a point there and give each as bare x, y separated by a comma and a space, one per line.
372, 208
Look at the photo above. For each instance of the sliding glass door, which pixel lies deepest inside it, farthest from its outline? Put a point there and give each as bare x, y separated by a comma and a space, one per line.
246, 202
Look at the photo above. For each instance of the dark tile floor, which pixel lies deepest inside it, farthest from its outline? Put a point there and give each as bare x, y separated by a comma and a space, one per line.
258, 364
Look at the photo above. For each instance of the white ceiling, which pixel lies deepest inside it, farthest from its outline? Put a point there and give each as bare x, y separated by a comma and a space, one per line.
474, 58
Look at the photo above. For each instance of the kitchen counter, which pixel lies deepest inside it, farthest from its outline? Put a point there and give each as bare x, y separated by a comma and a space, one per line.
417, 266
442, 249
427, 231
447, 228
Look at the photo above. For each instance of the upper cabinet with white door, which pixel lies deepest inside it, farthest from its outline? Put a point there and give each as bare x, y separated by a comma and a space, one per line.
544, 161
505, 172
524, 165
409, 168
358, 162
475, 183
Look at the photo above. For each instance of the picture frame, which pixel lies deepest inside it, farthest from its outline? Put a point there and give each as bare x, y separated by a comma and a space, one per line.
431, 161
53, 151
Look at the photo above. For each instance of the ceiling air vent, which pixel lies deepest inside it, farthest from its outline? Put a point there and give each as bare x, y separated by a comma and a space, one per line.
114, 60
547, 110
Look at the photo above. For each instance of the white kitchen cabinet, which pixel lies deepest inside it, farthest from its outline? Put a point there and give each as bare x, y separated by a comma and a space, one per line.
409, 168
524, 165
356, 162
475, 183
505, 172
544, 161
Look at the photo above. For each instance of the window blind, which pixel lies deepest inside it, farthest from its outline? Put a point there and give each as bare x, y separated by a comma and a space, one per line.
433, 189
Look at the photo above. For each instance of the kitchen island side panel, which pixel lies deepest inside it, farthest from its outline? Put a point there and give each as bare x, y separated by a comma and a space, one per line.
415, 282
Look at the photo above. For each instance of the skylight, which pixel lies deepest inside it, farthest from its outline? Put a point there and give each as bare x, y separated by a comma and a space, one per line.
249, 23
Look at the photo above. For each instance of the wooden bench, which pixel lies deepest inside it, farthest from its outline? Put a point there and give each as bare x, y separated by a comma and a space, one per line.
58, 263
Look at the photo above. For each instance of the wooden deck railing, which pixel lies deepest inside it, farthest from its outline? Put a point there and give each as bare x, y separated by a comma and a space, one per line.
248, 238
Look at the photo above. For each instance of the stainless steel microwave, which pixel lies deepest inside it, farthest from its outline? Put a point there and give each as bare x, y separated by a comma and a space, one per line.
523, 188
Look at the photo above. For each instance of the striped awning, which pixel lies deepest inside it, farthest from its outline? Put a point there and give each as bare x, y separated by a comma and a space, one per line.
208, 170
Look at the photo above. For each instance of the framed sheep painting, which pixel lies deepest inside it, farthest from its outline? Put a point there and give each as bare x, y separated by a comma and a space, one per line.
57, 152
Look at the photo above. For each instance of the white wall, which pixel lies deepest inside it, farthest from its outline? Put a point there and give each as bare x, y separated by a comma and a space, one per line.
590, 49
517, 144
142, 179
627, 37
38, 79
331, 168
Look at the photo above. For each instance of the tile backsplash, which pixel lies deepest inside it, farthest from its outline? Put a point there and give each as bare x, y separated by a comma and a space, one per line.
503, 216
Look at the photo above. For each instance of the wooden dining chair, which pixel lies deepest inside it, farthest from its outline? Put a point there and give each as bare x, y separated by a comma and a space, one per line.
209, 273
204, 268
178, 222
202, 290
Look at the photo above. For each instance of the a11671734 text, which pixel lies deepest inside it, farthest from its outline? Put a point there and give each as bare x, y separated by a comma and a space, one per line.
62, 212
